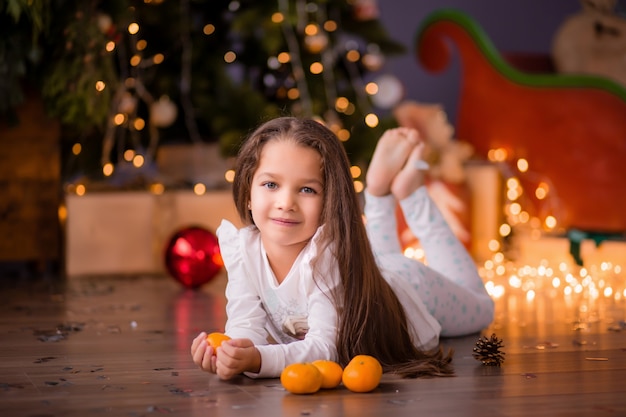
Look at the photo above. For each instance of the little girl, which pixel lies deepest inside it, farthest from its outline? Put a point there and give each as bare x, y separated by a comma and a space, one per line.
308, 281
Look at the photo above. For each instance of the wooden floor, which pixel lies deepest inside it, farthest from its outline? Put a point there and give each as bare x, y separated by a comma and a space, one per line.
119, 346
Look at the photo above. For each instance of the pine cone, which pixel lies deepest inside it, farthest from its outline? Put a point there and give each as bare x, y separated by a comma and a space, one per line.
488, 352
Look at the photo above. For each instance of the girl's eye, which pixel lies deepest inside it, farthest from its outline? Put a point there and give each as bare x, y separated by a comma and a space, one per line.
270, 185
308, 190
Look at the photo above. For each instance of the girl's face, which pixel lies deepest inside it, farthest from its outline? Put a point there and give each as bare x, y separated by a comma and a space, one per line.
286, 195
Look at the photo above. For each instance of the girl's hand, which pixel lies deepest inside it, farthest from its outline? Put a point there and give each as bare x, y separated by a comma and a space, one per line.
203, 354
236, 356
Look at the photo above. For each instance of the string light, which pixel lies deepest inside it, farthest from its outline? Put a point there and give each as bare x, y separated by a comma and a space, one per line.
157, 188
199, 189
316, 68
371, 120
107, 169
138, 161
133, 28
229, 57
208, 29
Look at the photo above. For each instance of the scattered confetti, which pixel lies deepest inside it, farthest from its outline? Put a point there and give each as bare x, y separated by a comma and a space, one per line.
157, 409
400, 402
180, 391
114, 329
6, 387
544, 346
58, 334
44, 360
617, 327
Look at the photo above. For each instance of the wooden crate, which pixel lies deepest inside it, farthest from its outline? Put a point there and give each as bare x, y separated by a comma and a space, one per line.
30, 189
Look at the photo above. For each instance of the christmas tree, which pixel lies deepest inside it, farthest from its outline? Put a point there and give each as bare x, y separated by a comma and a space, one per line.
132, 75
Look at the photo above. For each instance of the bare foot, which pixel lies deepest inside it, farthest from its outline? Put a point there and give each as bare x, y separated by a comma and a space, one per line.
390, 155
411, 177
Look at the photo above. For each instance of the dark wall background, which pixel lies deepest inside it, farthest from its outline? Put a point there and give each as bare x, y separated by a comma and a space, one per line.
512, 26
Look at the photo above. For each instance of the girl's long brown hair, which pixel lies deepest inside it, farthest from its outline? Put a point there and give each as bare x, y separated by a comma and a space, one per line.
371, 319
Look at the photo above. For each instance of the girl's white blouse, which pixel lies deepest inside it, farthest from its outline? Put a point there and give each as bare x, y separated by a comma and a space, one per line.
272, 314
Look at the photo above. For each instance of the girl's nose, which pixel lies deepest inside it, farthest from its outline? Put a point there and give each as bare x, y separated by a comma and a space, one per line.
285, 200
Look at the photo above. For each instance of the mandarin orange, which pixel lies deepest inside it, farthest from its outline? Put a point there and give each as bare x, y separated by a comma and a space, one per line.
331, 373
301, 378
215, 339
362, 374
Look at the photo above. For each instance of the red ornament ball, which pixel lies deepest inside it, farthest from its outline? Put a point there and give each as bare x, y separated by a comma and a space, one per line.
192, 256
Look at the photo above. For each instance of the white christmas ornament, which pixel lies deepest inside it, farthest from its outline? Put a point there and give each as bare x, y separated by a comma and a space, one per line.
104, 22
128, 103
163, 112
390, 91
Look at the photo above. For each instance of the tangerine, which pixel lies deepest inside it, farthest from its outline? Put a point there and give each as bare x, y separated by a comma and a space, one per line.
301, 378
215, 339
362, 373
331, 373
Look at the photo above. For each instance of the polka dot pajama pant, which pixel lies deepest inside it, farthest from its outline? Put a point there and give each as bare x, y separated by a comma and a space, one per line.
449, 285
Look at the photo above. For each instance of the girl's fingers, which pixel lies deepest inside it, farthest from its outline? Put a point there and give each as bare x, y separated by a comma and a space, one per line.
196, 342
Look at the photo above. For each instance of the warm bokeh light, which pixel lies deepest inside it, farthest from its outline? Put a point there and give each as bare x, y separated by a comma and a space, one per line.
330, 26
157, 188
133, 28
135, 60
293, 93
550, 222
341, 104
138, 161
371, 88
230, 57
284, 57
108, 169
119, 119
139, 123
311, 29
497, 155
199, 189
522, 165
353, 55
371, 120
316, 68
343, 134
504, 230
129, 154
